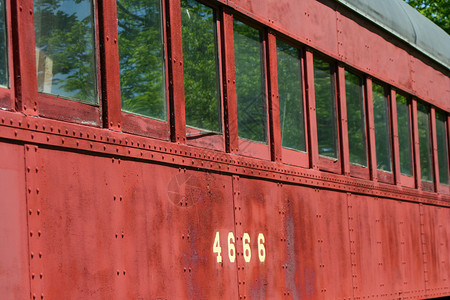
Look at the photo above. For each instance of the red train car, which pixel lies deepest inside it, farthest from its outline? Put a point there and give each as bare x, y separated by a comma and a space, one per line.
223, 149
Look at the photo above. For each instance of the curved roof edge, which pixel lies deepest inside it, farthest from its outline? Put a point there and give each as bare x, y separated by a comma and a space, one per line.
406, 23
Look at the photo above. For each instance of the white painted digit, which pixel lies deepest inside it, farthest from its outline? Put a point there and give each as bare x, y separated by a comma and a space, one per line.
231, 247
261, 248
246, 247
216, 247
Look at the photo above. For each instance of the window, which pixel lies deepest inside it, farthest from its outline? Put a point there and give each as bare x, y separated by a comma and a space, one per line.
4, 80
423, 121
442, 144
65, 52
325, 109
290, 97
382, 128
356, 119
141, 58
250, 83
404, 135
201, 74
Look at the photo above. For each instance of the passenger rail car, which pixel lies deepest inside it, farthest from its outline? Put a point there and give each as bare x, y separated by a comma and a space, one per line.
223, 149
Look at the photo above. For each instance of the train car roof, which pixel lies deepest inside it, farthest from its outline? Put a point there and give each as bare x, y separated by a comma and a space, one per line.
402, 20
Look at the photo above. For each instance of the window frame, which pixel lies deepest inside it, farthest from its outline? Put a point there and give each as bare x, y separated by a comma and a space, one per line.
400, 179
379, 175
438, 186
7, 94
349, 168
244, 146
325, 163
203, 138
288, 155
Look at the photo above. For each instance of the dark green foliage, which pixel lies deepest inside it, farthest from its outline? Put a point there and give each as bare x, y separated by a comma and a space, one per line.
325, 108
356, 119
65, 48
141, 58
437, 11
201, 76
382, 128
291, 97
251, 98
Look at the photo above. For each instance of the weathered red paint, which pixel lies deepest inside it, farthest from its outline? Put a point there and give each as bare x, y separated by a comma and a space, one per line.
93, 213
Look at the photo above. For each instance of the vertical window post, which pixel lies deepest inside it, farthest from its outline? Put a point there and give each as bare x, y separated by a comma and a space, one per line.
109, 59
273, 99
229, 84
371, 132
345, 153
395, 141
434, 147
311, 111
176, 74
416, 146
25, 81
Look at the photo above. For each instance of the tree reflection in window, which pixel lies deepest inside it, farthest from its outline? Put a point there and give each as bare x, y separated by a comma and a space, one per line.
291, 97
404, 135
442, 144
382, 128
356, 119
325, 108
65, 52
251, 98
423, 122
3, 47
141, 58
201, 75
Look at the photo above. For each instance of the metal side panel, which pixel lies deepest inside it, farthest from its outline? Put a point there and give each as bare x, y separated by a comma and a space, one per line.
436, 242
14, 268
313, 22
120, 229
318, 240
261, 239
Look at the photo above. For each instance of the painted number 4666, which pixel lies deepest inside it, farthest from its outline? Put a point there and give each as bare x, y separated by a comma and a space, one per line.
246, 249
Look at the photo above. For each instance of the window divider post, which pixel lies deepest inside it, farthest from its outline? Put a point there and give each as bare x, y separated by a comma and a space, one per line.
371, 143
342, 104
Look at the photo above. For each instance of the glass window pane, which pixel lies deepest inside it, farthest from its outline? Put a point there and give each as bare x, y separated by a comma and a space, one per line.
382, 128
65, 53
404, 135
423, 122
325, 108
291, 97
251, 98
201, 76
141, 58
442, 142
356, 119
4, 80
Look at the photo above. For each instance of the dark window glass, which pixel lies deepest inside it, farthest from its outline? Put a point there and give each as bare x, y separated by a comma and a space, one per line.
356, 119
3, 47
382, 128
423, 122
141, 58
404, 135
325, 108
251, 98
65, 53
291, 97
201, 76
442, 142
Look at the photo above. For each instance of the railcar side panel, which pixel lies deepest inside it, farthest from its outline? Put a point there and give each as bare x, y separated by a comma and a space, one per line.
14, 271
117, 229
317, 226
436, 254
